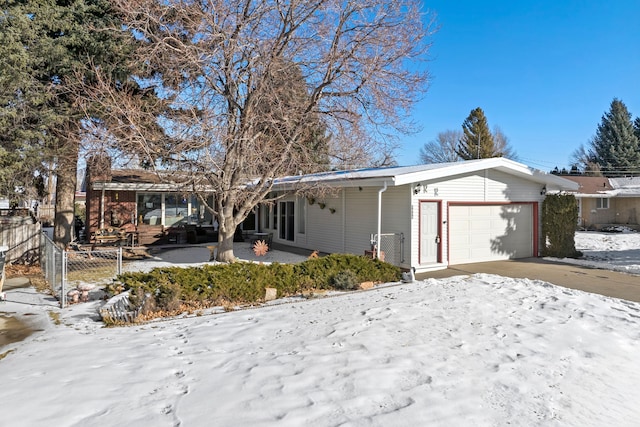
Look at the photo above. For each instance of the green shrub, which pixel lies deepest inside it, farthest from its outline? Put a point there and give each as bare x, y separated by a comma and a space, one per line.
319, 272
559, 222
346, 280
240, 283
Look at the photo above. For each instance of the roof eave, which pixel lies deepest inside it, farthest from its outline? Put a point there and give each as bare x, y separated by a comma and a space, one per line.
142, 187
303, 184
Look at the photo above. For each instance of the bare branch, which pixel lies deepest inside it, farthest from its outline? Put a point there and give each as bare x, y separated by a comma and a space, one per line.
255, 90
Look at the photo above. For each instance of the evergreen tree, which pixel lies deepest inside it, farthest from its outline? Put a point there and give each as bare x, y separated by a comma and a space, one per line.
615, 147
636, 127
477, 141
21, 138
277, 98
48, 48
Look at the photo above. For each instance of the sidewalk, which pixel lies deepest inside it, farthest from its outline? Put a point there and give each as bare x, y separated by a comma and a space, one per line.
603, 282
20, 294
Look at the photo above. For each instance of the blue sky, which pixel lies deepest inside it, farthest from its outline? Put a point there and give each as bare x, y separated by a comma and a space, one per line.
544, 71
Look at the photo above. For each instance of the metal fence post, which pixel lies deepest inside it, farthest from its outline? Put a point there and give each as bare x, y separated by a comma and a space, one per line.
63, 293
120, 260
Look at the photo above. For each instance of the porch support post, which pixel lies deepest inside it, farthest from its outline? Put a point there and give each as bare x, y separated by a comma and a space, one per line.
102, 208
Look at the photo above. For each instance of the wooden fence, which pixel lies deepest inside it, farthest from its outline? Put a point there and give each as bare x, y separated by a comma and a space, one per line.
22, 237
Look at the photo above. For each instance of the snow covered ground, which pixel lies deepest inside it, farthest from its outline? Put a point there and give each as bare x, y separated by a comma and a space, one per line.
609, 251
479, 350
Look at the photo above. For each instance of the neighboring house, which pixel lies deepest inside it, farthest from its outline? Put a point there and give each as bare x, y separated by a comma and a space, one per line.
427, 216
626, 195
606, 201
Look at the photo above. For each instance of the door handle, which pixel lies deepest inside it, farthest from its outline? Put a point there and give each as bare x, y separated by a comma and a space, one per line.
438, 239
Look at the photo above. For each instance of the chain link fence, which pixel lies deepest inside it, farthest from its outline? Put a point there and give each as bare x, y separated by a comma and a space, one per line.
392, 244
80, 269
51, 265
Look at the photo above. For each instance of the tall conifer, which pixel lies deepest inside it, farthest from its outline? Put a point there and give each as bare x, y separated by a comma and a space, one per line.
615, 147
477, 141
47, 50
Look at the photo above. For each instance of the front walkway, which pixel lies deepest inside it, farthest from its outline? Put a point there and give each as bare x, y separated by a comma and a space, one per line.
603, 282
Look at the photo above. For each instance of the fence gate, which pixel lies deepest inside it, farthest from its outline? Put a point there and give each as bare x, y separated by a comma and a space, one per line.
392, 244
65, 270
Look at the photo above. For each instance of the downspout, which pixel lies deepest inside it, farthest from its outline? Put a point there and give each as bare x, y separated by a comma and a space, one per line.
380, 191
344, 220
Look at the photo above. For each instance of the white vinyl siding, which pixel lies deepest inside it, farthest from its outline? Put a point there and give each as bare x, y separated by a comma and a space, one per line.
324, 230
361, 219
355, 213
490, 186
349, 227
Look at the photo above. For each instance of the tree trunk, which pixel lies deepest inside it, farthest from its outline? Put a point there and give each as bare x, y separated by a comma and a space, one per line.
225, 246
226, 232
65, 194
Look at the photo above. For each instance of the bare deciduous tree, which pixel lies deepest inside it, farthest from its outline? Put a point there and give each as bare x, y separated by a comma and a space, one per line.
219, 67
442, 149
501, 142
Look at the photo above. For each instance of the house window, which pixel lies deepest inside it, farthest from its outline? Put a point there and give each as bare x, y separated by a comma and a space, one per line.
301, 214
150, 209
270, 216
249, 223
274, 216
287, 220
602, 203
199, 214
176, 209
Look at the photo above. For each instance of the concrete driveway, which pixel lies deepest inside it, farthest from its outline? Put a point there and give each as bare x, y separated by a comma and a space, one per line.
603, 282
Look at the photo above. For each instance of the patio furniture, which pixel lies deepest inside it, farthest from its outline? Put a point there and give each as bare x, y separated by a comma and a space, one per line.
109, 235
200, 234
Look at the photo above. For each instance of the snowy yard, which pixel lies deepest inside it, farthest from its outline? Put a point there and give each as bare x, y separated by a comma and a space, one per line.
479, 350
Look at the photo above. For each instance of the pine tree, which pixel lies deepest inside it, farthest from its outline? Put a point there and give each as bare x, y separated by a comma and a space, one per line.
477, 141
615, 147
278, 97
636, 127
48, 48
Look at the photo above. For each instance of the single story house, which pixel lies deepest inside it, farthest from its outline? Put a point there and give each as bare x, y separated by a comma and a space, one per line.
426, 216
606, 201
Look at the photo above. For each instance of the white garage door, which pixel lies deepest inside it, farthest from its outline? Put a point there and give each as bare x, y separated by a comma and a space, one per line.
490, 232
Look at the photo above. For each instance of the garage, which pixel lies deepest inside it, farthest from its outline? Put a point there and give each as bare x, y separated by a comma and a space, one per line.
490, 232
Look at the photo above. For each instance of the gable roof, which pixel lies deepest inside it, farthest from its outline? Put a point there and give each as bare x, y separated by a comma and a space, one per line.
601, 186
140, 180
401, 175
134, 176
591, 185
626, 187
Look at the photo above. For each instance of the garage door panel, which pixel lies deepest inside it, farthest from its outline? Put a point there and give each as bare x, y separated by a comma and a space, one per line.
490, 232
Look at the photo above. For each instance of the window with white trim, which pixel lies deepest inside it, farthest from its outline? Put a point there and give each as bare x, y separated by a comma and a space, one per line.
602, 203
